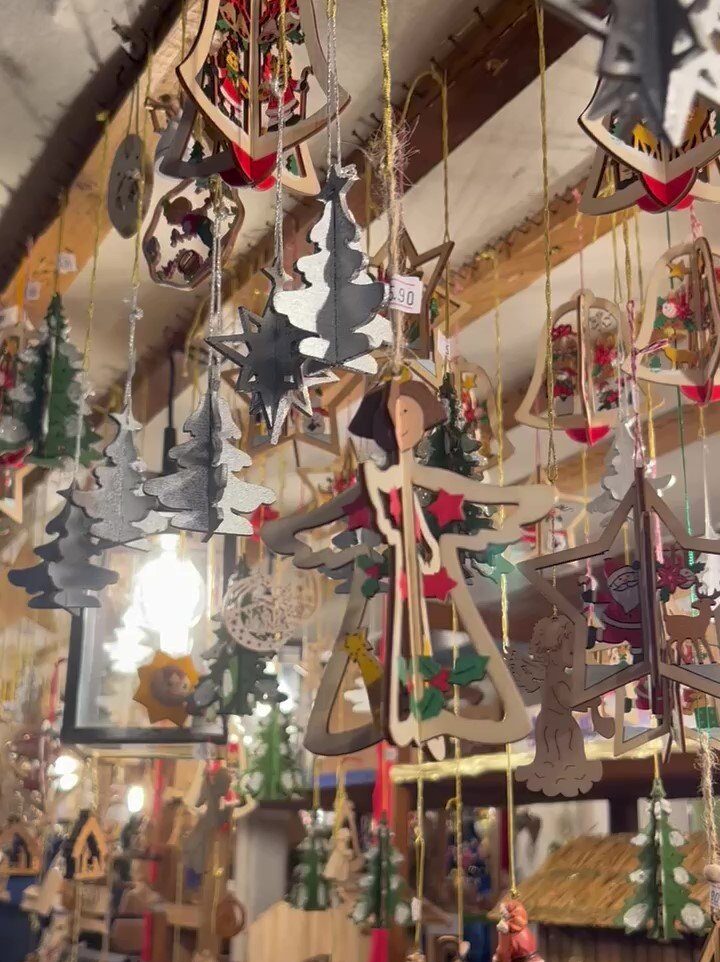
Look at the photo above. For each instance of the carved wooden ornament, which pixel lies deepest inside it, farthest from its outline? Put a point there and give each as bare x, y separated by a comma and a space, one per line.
585, 335
86, 850
228, 74
131, 177
683, 321
22, 850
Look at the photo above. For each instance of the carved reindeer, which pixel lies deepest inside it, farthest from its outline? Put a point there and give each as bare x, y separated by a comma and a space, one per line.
692, 628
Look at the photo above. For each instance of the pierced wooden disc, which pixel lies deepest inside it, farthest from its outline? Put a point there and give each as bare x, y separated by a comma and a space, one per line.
130, 165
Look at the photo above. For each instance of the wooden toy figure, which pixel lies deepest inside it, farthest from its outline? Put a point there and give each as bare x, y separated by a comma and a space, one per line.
516, 943
418, 704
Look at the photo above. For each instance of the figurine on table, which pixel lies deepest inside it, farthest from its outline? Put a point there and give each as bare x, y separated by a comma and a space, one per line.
516, 943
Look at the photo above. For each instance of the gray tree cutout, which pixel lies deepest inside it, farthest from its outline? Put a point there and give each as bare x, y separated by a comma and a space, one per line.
340, 300
117, 507
204, 495
66, 576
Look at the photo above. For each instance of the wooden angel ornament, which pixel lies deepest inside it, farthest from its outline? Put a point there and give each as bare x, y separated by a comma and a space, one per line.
423, 568
679, 338
586, 334
559, 766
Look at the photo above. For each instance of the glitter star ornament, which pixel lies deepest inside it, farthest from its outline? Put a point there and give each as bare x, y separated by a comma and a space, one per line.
338, 307
658, 57
117, 505
271, 365
203, 494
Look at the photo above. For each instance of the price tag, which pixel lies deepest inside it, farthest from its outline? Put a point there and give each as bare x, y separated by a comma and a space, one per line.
714, 898
406, 294
415, 908
446, 346
32, 291
66, 262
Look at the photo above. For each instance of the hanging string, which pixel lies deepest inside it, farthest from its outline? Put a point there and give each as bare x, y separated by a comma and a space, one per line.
393, 213
334, 150
280, 85
458, 805
550, 370
709, 767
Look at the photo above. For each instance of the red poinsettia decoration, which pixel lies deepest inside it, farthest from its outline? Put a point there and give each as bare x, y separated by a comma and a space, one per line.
604, 355
561, 331
563, 389
674, 573
258, 518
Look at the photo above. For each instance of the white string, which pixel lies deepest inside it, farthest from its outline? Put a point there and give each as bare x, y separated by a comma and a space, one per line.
279, 247
333, 89
134, 316
215, 311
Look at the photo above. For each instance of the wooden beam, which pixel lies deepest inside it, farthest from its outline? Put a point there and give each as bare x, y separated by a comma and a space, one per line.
521, 255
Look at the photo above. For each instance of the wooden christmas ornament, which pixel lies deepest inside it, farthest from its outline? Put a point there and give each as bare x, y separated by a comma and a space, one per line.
178, 242
86, 850
131, 180
229, 71
516, 942
12, 483
586, 334
165, 686
383, 898
230, 916
679, 338
339, 304
642, 168
273, 772
658, 60
479, 410
559, 766
22, 850
66, 576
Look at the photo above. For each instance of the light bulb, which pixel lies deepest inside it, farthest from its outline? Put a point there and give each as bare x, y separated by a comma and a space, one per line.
170, 596
67, 782
65, 765
135, 799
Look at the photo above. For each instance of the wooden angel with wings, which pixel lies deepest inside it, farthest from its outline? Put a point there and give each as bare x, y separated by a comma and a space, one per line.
389, 505
559, 766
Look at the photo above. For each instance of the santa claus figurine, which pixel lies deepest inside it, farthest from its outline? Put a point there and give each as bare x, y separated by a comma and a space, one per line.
516, 943
618, 608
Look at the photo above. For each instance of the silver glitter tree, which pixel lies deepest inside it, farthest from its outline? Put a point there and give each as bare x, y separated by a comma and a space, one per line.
204, 495
117, 506
338, 305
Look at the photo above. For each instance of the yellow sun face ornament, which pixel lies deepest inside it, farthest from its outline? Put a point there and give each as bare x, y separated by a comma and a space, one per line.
165, 685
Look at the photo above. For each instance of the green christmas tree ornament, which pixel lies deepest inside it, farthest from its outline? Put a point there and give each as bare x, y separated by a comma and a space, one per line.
273, 773
660, 906
311, 891
383, 900
48, 397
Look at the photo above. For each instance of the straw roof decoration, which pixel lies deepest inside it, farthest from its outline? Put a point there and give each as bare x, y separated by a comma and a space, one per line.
585, 883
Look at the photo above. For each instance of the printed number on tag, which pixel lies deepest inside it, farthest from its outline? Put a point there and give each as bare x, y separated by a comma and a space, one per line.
714, 897
66, 262
406, 294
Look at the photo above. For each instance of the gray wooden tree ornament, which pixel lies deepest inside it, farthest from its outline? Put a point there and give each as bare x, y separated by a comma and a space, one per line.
340, 301
271, 365
658, 57
117, 506
66, 576
204, 495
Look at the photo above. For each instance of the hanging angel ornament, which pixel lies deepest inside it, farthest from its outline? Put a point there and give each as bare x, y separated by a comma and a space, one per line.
424, 569
640, 167
339, 304
229, 74
559, 766
658, 60
679, 338
586, 337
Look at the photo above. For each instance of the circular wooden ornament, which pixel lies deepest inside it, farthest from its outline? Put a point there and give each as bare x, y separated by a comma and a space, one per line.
130, 165
229, 917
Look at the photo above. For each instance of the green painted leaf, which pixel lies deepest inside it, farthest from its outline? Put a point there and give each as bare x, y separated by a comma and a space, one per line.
469, 668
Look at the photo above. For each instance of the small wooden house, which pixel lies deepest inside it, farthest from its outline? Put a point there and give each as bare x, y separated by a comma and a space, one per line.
86, 850
576, 901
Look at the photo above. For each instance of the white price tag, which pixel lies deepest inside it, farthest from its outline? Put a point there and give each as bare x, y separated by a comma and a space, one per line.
32, 291
406, 294
446, 346
66, 262
415, 908
714, 897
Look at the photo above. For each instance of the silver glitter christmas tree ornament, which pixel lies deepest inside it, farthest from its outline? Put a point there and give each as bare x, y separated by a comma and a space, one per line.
658, 57
339, 304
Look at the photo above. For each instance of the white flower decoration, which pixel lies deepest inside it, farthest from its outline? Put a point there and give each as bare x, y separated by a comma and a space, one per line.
677, 838
681, 876
639, 876
638, 840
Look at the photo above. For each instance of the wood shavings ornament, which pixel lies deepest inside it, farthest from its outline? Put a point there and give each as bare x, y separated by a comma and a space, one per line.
204, 494
165, 685
271, 366
338, 305
117, 505
66, 576
262, 613
658, 58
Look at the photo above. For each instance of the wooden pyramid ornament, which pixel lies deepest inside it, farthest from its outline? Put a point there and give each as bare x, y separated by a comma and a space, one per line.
228, 75
679, 338
587, 332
